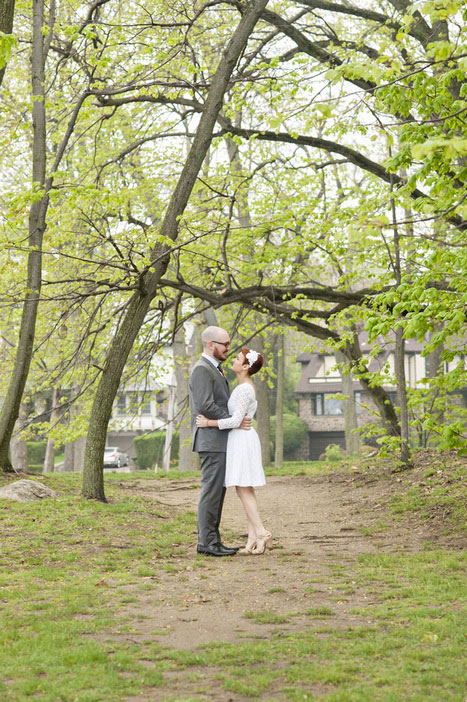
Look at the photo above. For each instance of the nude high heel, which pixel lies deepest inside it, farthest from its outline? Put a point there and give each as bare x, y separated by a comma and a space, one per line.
262, 543
248, 549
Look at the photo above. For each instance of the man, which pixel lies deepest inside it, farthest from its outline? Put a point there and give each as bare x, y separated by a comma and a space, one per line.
209, 394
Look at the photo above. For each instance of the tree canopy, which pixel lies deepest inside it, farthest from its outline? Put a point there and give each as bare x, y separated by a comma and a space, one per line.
312, 175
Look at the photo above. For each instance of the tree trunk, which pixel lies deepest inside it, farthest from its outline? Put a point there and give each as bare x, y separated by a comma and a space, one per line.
170, 426
279, 448
37, 218
69, 458
7, 13
186, 455
263, 418
93, 473
49, 460
399, 353
18, 445
93, 481
377, 393
399, 366
352, 439
435, 368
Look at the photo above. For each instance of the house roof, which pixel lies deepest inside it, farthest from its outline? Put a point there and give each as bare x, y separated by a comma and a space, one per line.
313, 361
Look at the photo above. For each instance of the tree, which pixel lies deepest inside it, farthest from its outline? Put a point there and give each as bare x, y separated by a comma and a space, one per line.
37, 215
333, 113
139, 304
379, 58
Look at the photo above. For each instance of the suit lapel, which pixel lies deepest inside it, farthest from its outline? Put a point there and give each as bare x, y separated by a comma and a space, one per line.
216, 372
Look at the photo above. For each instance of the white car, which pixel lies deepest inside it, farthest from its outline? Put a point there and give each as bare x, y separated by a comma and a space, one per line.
114, 458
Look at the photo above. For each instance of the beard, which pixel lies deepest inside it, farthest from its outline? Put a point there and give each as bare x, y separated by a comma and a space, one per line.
218, 355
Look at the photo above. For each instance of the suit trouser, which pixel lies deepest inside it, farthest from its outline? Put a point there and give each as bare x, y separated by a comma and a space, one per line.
211, 498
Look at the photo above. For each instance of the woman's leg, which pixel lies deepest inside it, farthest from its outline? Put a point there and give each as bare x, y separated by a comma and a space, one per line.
250, 505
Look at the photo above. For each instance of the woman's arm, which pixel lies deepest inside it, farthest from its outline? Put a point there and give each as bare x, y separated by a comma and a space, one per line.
203, 422
244, 394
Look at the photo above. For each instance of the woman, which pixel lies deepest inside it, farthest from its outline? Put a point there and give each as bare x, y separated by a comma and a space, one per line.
243, 459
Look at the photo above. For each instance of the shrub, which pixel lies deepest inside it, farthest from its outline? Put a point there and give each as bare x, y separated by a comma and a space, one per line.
333, 453
295, 433
36, 453
149, 449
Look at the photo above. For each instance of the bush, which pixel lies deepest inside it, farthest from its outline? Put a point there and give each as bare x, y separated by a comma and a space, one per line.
333, 453
295, 433
149, 449
36, 453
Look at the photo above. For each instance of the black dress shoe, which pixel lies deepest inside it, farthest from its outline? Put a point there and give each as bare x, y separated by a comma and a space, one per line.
228, 548
215, 550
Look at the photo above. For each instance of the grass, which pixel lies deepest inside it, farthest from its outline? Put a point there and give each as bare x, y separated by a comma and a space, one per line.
69, 568
65, 564
407, 646
267, 617
441, 492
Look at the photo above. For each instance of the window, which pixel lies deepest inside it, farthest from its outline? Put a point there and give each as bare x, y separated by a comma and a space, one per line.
121, 404
145, 403
326, 404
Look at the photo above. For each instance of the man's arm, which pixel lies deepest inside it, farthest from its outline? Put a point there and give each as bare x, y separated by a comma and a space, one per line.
201, 388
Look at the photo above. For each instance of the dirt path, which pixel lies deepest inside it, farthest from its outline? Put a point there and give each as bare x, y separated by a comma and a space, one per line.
318, 524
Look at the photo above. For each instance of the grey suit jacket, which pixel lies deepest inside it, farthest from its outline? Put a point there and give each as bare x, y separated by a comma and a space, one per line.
209, 394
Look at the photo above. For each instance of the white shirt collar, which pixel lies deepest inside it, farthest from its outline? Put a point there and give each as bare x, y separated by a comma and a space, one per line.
214, 361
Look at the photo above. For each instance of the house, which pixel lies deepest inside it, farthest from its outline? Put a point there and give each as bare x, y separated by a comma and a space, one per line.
320, 381
138, 409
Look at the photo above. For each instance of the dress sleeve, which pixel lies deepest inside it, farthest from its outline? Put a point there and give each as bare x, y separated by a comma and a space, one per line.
243, 397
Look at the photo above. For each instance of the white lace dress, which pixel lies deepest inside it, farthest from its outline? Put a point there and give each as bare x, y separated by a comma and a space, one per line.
243, 459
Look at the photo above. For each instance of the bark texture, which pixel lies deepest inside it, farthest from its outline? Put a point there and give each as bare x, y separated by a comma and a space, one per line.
7, 13
262, 418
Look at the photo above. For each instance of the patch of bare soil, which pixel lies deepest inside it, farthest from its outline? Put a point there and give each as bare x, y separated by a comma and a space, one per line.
318, 524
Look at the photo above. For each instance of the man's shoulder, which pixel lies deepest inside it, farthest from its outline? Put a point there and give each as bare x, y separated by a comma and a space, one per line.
202, 364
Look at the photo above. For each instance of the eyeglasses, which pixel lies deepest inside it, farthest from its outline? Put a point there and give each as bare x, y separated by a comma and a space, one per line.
226, 345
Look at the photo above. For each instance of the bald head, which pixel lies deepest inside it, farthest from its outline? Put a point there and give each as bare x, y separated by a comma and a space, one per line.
216, 342
213, 333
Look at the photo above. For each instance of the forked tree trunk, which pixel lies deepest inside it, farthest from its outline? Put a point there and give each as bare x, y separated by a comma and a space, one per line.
93, 480
37, 218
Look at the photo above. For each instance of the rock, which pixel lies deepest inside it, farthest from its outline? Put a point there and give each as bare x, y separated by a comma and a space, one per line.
25, 491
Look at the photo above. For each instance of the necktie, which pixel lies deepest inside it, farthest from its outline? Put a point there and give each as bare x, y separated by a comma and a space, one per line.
219, 368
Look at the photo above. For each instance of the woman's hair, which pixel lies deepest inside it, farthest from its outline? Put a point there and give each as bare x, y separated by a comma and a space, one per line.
254, 360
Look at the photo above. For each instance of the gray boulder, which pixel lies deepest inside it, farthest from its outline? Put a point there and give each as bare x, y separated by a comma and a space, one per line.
25, 491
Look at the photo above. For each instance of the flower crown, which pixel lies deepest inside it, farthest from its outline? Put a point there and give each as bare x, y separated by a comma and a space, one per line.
252, 357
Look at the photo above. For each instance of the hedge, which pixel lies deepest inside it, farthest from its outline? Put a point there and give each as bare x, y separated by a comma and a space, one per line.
295, 432
149, 449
